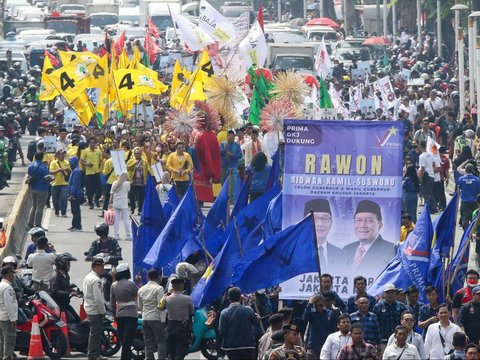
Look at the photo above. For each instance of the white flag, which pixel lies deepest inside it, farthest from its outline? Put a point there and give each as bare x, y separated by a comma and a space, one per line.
322, 62
254, 47
215, 24
194, 37
386, 89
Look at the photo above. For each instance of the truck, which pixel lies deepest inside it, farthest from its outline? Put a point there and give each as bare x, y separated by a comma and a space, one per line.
72, 24
300, 57
159, 12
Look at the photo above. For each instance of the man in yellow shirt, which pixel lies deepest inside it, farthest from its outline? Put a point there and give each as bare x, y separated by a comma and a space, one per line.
60, 169
92, 161
180, 164
407, 226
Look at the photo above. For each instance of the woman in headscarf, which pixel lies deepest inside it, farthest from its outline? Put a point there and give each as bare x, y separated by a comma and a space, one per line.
119, 202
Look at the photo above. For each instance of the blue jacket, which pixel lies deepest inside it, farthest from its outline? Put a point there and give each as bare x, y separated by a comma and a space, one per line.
236, 326
230, 162
38, 170
259, 179
469, 185
321, 325
75, 182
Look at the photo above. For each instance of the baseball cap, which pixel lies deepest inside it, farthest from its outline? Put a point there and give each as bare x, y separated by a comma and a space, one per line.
122, 267
37, 231
290, 327
389, 287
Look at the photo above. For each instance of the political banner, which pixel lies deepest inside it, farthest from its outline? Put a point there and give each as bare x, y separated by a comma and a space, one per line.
353, 187
386, 89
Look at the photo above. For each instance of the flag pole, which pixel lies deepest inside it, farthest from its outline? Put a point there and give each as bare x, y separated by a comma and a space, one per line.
449, 262
234, 219
316, 247
229, 196
464, 250
200, 223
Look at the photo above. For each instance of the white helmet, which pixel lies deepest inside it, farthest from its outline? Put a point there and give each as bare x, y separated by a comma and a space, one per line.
9, 260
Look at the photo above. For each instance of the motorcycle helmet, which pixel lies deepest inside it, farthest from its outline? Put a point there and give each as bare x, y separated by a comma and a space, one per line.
184, 269
14, 83
6, 90
9, 260
62, 260
2, 128
101, 229
37, 232
32, 88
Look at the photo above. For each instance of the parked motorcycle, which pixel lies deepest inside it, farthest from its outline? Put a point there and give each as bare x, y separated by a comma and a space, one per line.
110, 262
55, 344
78, 332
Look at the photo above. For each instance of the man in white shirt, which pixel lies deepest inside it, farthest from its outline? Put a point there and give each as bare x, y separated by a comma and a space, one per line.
149, 296
42, 264
400, 349
8, 314
439, 338
426, 169
410, 109
413, 338
336, 341
433, 105
94, 307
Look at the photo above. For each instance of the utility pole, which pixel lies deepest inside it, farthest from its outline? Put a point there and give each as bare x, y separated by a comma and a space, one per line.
385, 32
394, 22
321, 9
439, 28
419, 24
379, 26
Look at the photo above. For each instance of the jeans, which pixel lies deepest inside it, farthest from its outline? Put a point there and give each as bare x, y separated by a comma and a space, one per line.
39, 199
127, 326
106, 196
427, 193
178, 339
410, 203
122, 215
155, 339
76, 214
181, 187
95, 336
137, 195
8, 335
60, 198
93, 187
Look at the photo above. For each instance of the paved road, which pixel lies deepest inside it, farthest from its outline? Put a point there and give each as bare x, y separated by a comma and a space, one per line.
9, 195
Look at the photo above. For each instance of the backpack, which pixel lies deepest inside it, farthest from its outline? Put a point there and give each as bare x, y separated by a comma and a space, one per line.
32, 149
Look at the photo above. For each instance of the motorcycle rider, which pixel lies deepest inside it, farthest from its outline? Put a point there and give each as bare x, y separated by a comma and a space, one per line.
35, 234
5, 168
21, 290
60, 286
104, 244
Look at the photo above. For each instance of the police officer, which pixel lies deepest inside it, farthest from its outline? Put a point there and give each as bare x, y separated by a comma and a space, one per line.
180, 310
8, 314
94, 307
289, 350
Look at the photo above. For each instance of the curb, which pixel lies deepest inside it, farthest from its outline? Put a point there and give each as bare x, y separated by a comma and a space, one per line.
16, 223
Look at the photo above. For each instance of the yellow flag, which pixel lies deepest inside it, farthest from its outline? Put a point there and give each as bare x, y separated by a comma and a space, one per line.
101, 110
68, 56
47, 90
178, 78
100, 75
84, 108
136, 58
131, 82
124, 61
206, 69
71, 80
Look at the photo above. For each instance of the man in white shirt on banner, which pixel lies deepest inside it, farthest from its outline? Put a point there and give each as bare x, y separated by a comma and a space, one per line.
439, 338
336, 341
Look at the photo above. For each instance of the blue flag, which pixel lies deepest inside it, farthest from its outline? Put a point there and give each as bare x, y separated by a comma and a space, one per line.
460, 260
273, 219
275, 170
152, 222
181, 228
443, 239
171, 202
410, 265
216, 220
289, 253
238, 240
242, 198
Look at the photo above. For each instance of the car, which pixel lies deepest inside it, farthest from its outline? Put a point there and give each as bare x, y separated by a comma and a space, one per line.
317, 32
286, 36
90, 40
16, 57
348, 55
103, 19
129, 14
36, 34
75, 8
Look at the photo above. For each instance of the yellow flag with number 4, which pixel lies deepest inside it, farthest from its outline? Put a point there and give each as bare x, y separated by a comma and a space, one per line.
47, 90
132, 82
100, 78
72, 79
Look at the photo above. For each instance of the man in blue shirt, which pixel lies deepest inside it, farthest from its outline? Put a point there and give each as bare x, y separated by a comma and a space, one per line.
38, 180
469, 186
231, 153
322, 322
368, 320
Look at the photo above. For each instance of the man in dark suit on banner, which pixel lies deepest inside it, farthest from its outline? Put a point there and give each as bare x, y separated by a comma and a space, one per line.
371, 253
330, 255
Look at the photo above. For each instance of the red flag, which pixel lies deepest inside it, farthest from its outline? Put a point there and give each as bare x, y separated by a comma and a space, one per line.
260, 16
53, 60
152, 29
151, 48
120, 43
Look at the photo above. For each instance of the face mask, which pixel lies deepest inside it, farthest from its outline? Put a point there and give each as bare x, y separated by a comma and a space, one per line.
472, 282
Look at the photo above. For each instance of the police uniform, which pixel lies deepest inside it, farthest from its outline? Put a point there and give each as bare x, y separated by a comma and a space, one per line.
283, 352
8, 315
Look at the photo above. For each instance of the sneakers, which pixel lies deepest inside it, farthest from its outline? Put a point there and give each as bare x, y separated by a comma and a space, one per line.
71, 228
77, 229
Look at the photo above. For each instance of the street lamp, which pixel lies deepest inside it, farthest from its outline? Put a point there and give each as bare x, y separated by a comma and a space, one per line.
460, 57
474, 52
